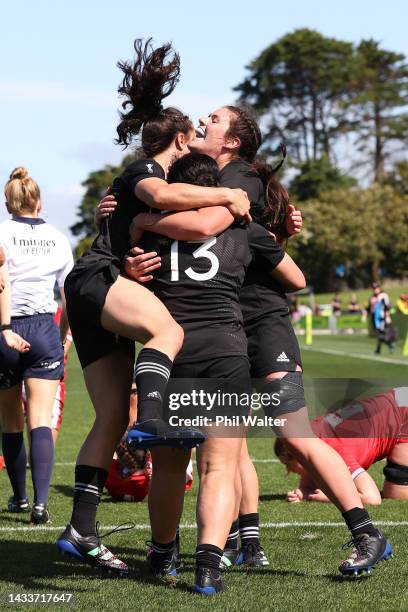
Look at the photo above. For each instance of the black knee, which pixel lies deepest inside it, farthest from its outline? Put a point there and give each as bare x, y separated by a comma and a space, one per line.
287, 394
395, 473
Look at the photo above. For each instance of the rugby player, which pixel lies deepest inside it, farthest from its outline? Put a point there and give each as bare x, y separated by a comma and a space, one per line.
362, 433
200, 286
108, 312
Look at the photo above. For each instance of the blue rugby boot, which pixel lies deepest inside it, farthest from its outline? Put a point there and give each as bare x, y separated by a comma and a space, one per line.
367, 552
208, 581
90, 550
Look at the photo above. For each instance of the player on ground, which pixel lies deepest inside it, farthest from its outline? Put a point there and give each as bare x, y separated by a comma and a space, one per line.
108, 312
38, 256
200, 286
362, 433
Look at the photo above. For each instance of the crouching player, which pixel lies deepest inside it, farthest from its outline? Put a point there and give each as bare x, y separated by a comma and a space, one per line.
130, 472
362, 433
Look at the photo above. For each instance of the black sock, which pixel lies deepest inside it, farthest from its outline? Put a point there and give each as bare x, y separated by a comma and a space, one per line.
208, 555
164, 552
16, 460
358, 521
89, 483
233, 536
249, 528
152, 372
41, 462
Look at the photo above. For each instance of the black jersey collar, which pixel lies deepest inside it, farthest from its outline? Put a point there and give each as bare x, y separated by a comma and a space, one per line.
28, 220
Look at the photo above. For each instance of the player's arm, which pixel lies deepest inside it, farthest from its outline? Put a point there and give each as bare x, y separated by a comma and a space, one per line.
367, 489
157, 193
12, 339
189, 225
289, 275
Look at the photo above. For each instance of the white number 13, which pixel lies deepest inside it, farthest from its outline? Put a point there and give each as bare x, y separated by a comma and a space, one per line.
202, 251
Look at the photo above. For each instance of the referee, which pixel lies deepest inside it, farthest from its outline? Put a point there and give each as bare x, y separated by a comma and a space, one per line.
31, 344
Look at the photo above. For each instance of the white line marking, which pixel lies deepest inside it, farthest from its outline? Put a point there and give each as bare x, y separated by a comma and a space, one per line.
282, 525
355, 355
70, 463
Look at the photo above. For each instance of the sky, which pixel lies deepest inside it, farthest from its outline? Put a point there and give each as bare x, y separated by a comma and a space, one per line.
58, 74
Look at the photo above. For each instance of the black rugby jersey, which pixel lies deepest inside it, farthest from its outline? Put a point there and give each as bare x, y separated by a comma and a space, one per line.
113, 241
199, 282
260, 294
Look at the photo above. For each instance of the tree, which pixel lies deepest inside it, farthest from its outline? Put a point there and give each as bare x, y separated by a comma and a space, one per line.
361, 229
316, 177
379, 101
299, 86
96, 185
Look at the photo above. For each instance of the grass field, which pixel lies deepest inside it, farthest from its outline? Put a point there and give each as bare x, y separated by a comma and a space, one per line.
303, 542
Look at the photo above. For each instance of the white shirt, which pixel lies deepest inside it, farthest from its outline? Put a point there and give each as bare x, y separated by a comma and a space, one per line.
38, 255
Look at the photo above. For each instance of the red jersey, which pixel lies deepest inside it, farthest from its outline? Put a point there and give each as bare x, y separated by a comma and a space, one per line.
367, 430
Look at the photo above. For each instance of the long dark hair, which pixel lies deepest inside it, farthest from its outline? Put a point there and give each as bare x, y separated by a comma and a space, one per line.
277, 199
150, 78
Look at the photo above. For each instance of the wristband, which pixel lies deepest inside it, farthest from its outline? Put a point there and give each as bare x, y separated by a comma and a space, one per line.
5, 326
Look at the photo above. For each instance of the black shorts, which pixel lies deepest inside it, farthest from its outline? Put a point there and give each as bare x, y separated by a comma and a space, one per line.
44, 360
272, 345
85, 293
226, 378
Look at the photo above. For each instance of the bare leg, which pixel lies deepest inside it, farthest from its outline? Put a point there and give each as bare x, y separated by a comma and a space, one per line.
217, 463
249, 482
110, 398
134, 312
166, 493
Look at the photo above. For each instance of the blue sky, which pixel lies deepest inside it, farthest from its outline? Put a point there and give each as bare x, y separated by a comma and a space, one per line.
58, 75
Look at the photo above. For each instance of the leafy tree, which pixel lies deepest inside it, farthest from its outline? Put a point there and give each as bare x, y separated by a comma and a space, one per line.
362, 229
379, 103
316, 177
96, 185
299, 86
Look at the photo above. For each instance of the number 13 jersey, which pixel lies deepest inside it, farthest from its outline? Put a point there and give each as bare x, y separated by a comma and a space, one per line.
200, 281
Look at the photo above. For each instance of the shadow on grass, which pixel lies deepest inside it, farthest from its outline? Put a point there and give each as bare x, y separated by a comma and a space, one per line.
63, 489
272, 497
37, 566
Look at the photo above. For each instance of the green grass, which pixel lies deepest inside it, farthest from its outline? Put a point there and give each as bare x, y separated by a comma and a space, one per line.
363, 295
303, 560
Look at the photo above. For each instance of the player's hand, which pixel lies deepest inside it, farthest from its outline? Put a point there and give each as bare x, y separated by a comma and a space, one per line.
105, 207
240, 205
15, 341
2, 285
295, 496
2, 257
294, 221
317, 495
141, 265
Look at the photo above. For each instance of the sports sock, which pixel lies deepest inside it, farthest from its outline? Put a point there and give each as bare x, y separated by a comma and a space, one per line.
89, 483
41, 462
249, 528
163, 552
208, 555
16, 460
358, 521
152, 373
233, 536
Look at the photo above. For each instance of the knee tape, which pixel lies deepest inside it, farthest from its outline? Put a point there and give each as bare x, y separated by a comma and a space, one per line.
288, 391
395, 473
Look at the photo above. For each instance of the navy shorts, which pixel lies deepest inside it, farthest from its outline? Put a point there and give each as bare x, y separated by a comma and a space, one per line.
45, 359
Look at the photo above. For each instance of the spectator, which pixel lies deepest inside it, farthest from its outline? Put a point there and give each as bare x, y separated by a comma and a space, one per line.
353, 305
